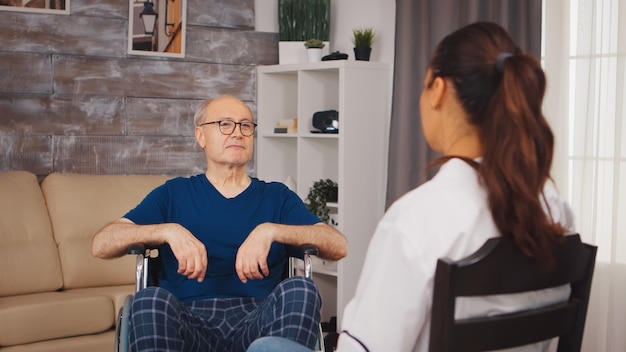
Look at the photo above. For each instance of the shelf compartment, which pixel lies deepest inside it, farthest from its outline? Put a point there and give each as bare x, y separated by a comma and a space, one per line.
277, 99
280, 161
317, 91
318, 158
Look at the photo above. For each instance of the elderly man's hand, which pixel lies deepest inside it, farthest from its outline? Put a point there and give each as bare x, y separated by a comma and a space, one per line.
189, 251
251, 261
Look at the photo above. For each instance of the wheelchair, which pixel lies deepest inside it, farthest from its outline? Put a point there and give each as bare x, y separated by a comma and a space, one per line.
148, 257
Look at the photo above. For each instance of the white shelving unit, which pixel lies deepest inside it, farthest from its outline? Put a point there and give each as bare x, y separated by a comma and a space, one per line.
356, 157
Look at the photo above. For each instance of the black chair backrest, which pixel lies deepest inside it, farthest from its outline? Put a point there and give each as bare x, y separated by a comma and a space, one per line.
498, 267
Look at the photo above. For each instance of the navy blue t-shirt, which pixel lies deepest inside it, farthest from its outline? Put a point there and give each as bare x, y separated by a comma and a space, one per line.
222, 224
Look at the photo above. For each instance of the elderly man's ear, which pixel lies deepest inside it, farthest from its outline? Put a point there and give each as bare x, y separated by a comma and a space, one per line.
200, 136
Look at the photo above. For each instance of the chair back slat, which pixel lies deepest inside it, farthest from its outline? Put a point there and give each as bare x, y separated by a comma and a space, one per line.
537, 326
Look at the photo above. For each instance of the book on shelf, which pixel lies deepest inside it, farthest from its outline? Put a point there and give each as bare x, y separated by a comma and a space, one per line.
286, 126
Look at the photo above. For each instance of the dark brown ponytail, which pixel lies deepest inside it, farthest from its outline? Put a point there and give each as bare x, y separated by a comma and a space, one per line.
501, 89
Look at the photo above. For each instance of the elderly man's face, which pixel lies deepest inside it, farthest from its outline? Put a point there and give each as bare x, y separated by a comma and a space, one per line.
234, 149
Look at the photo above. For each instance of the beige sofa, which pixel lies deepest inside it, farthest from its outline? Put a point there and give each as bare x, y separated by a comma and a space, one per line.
54, 295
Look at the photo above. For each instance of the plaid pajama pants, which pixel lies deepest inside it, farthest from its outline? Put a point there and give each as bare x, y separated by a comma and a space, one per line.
160, 322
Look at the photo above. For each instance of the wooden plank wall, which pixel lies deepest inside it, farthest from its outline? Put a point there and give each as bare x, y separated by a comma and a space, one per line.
73, 100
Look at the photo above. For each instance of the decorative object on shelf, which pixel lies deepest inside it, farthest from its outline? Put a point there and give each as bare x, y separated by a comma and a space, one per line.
298, 21
335, 55
362, 38
314, 49
286, 126
321, 193
326, 121
314, 44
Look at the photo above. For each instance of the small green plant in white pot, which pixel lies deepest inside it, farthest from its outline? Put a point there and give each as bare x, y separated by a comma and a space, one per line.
314, 49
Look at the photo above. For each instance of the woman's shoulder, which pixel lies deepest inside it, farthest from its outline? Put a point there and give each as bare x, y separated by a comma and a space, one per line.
456, 182
451, 203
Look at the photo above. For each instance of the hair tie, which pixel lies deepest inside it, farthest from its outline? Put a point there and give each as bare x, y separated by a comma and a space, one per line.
500, 60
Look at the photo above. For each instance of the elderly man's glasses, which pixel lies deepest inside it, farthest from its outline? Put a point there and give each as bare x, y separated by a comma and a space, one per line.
227, 127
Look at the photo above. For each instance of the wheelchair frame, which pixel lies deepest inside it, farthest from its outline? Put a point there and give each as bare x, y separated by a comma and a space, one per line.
144, 254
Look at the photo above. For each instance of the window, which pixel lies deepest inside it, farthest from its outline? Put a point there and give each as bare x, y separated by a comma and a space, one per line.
584, 55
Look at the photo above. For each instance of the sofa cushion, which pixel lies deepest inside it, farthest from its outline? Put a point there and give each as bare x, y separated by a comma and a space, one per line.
82, 269
44, 316
102, 342
117, 294
79, 206
28, 253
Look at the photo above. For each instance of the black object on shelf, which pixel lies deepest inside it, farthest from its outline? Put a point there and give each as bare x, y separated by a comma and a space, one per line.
326, 121
335, 55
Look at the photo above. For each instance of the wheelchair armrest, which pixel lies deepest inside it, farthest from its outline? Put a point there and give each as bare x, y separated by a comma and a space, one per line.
310, 249
143, 253
136, 248
142, 249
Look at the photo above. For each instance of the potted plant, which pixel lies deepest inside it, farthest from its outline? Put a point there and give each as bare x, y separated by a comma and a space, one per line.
362, 38
314, 49
298, 21
322, 192
314, 44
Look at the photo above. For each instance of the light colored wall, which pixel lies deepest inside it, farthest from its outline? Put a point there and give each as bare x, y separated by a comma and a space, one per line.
345, 15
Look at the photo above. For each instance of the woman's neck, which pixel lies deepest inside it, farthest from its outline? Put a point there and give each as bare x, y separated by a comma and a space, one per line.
468, 146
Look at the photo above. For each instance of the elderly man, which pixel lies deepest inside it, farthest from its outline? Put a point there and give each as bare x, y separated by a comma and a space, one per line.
224, 240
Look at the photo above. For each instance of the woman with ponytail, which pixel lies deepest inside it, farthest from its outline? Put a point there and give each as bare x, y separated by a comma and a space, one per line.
481, 109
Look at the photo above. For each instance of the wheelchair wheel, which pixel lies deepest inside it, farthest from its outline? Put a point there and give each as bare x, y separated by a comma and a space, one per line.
122, 329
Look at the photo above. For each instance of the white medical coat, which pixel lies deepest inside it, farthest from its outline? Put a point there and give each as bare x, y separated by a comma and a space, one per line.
447, 216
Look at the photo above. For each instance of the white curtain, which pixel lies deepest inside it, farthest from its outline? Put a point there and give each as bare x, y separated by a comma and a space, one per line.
584, 55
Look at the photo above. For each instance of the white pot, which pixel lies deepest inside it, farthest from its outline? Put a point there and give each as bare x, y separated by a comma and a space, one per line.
314, 54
